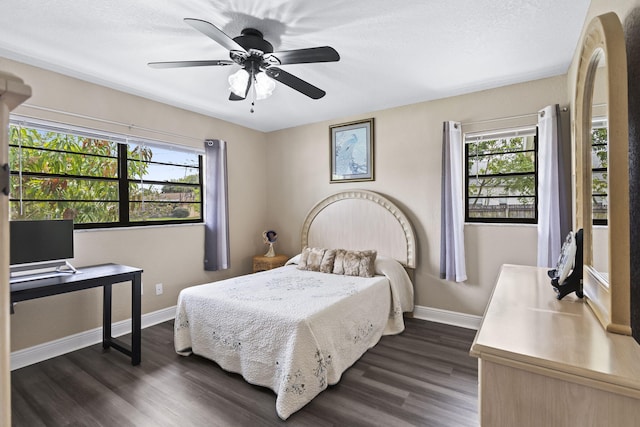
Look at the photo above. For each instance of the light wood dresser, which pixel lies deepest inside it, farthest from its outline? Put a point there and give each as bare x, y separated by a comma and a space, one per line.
544, 362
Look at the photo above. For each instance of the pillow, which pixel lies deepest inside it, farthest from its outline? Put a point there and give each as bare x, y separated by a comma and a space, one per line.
326, 265
294, 260
317, 259
304, 256
355, 263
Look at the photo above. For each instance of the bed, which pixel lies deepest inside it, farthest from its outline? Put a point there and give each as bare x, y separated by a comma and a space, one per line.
297, 328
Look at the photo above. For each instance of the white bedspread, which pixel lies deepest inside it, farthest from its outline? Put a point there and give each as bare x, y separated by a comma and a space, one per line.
290, 330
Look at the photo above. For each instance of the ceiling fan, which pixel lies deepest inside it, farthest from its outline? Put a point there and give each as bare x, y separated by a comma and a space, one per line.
258, 61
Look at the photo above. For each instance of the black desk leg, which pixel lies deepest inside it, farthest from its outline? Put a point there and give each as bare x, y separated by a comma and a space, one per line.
136, 321
106, 317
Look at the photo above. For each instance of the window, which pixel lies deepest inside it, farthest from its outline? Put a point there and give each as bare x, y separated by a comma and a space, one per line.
100, 179
501, 176
599, 164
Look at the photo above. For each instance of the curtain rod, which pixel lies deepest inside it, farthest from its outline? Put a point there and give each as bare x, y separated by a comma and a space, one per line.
111, 122
521, 116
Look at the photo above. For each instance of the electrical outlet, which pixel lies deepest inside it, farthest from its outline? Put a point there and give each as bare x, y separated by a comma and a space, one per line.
158, 288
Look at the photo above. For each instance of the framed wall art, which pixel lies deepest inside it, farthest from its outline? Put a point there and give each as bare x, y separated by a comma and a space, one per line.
351, 151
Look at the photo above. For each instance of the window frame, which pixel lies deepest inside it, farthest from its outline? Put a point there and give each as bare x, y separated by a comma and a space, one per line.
122, 179
495, 134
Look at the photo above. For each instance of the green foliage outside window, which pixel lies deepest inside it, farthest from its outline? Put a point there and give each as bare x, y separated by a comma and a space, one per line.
58, 175
501, 182
599, 161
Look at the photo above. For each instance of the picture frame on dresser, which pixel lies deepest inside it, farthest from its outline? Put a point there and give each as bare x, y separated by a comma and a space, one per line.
352, 151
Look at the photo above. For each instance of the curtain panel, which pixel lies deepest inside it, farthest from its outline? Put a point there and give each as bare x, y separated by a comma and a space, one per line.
452, 255
216, 217
554, 198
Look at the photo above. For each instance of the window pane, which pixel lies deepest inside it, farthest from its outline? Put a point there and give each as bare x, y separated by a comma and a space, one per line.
80, 212
46, 188
600, 183
502, 186
62, 163
599, 204
163, 193
504, 145
502, 163
599, 156
181, 193
163, 211
31, 137
154, 202
147, 171
169, 155
142, 192
512, 208
599, 135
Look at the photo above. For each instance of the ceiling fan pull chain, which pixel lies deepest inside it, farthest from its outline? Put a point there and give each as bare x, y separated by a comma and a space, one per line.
253, 90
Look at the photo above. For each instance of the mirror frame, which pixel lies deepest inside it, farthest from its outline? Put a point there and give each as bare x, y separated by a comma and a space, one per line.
608, 297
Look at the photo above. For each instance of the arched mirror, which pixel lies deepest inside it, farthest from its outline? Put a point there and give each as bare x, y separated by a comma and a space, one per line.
602, 171
600, 168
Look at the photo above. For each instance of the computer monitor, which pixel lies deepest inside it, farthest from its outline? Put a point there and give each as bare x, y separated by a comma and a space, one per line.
40, 241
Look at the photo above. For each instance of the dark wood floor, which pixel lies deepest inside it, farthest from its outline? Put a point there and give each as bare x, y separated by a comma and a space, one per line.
423, 377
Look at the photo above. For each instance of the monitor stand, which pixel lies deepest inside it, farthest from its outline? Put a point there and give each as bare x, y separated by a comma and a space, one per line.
25, 273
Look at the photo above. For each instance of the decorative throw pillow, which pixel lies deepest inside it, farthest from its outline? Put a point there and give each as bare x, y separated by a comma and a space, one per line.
355, 263
326, 265
304, 255
317, 259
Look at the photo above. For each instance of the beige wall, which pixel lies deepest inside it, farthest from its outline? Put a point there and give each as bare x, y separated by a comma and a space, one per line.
408, 143
172, 255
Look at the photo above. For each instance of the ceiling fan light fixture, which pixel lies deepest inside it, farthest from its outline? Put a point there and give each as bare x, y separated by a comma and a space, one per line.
238, 82
258, 61
264, 86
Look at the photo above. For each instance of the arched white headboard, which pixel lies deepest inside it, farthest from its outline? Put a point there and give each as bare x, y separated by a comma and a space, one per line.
361, 220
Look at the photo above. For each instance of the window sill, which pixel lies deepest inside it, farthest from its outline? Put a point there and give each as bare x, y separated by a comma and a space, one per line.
499, 224
137, 227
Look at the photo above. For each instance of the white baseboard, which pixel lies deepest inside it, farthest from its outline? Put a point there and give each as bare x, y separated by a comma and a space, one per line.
40, 352
463, 320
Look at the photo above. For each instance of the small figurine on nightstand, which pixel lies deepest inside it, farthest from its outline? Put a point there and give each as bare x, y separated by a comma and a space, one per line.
270, 238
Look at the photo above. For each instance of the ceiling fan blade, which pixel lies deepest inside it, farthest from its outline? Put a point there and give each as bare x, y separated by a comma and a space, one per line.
214, 33
304, 56
179, 64
295, 83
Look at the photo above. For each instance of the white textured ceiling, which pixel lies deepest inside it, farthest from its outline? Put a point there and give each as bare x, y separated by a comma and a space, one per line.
392, 52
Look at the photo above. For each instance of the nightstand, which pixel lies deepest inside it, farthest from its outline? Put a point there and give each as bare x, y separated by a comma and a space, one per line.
262, 263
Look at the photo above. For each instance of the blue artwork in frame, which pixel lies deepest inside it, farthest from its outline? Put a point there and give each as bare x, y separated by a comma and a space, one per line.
352, 151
